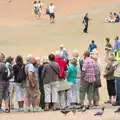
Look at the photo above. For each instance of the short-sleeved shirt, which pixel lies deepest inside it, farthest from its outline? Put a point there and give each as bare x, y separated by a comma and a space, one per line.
89, 69
51, 9
92, 47
30, 68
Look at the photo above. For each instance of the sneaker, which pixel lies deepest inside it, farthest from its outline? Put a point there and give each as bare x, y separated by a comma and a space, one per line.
1, 110
38, 109
27, 110
20, 110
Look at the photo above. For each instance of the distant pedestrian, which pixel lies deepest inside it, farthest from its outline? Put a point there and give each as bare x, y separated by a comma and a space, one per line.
92, 46
52, 13
85, 22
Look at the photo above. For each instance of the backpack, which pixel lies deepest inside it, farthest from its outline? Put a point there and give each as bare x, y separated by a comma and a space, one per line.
21, 76
5, 74
10, 72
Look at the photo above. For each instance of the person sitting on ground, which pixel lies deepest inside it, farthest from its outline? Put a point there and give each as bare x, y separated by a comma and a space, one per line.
109, 18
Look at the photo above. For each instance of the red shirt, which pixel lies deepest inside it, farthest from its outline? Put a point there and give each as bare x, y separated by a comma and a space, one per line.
63, 67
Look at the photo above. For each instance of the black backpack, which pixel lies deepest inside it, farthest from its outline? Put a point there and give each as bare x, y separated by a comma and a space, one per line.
21, 76
5, 74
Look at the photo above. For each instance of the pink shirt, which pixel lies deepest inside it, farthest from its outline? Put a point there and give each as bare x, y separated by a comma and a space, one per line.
89, 69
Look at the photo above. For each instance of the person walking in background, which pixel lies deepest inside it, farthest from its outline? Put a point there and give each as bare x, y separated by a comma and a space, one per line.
52, 13
18, 84
35, 9
92, 46
72, 74
40, 5
116, 66
85, 22
41, 86
63, 68
110, 79
50, 74
87, 79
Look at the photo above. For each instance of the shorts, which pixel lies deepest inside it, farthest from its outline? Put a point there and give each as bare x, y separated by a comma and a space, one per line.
52, 15
32, 92
4, 90
19, 92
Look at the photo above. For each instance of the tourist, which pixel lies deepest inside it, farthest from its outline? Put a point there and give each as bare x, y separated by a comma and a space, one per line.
52, 13
50, 79
92, 46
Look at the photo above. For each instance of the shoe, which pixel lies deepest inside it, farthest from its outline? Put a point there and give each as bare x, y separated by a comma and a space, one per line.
1, 110
27, 110
20, 110
38, 109
7, 110
115, 104
108, 102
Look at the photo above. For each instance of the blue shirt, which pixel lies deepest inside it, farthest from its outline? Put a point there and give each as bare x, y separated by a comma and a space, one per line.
91, 46
117, 45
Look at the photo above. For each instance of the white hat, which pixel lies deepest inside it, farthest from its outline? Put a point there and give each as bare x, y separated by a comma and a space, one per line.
94, 51
37, 58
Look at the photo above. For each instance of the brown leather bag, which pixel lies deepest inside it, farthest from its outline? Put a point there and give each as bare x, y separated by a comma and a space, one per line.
97, 83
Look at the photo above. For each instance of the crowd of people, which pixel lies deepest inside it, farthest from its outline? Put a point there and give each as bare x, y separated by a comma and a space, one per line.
38, 10
113, 18
59, 80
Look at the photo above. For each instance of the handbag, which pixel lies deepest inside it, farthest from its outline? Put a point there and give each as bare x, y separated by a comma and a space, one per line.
97, 83
63, 85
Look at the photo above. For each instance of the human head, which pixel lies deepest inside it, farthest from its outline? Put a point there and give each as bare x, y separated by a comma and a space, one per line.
94, 57
115, 14
86, 54
110, 13
107, 39
75, 54
51, 4
93, 42
37, 59
86, 14
61, 47
39, 1
73, 61
116, 38
2, 57
31, 60
35, 2
9, 59
51, 57
45, 60
57, 54
19, 60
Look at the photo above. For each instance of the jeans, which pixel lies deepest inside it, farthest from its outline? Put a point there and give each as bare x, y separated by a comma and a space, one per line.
117, 84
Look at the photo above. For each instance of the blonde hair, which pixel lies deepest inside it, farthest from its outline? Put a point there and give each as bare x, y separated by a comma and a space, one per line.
45, 59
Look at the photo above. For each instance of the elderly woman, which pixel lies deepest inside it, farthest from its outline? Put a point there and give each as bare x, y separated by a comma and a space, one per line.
72, 74
109, 75
50, 74
96, 96
76, 56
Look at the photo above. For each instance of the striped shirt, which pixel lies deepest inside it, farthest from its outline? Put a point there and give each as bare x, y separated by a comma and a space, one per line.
89, 69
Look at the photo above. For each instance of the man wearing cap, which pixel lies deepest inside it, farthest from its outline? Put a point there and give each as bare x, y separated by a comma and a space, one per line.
92, 46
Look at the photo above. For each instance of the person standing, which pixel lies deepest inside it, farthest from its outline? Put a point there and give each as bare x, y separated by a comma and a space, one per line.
92, 46
85, 22
52, 13
50, 74
87, 79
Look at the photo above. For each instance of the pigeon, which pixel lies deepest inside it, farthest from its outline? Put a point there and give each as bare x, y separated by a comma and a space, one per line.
100, 113
117, 111
65, 112
74, 110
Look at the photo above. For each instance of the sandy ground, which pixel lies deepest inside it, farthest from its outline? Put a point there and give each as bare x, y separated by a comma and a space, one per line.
20, 34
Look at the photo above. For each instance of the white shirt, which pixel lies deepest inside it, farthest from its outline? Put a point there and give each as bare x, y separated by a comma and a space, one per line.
51, 9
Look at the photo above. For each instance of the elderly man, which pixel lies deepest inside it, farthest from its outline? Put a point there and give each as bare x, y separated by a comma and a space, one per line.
32, 86
87, 79
4, 85
64, 53
63, 67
